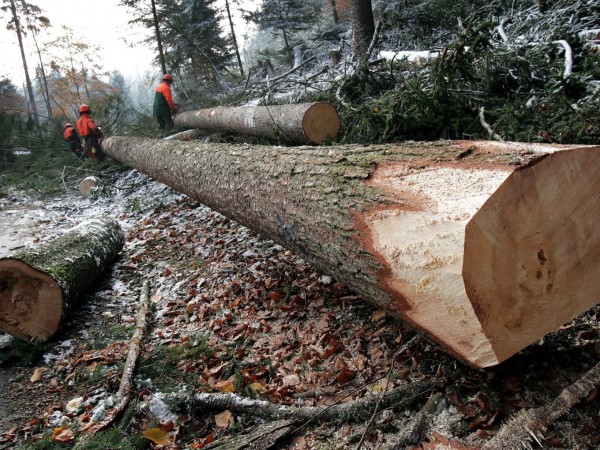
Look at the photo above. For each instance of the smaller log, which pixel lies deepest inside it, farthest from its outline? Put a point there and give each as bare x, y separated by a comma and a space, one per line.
37, 287
303, 123
88, 184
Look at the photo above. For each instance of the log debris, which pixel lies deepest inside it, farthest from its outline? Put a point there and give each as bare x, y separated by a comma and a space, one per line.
530, 425
303, 123
38, 286
339, 413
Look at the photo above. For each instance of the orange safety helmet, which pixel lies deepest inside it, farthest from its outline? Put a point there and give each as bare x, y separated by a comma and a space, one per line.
167, 77
84, 109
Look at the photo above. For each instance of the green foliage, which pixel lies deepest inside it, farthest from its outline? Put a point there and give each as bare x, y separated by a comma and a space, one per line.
521, 89
23, 352
163, 366
285, 19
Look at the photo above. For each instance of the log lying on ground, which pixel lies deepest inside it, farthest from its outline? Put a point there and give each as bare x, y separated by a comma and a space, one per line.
304, 123
485, 246
37, 287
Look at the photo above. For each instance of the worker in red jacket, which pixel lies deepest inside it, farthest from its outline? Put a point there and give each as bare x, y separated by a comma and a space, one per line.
91, 133
72, 138
164, 107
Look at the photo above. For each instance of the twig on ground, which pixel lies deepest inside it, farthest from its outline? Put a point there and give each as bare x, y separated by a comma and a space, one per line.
530, 425
270, 411
123, 395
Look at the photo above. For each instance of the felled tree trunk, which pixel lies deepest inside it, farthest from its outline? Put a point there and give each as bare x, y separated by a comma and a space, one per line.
303, 123
484, 246
37, 287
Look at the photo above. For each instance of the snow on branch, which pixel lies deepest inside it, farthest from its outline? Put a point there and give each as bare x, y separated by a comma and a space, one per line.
487, 126
501, 31
568, 58
411, 56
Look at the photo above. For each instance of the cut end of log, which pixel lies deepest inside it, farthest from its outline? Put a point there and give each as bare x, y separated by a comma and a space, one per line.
31, 304
320, 122
498, 261
88, 184
532, 250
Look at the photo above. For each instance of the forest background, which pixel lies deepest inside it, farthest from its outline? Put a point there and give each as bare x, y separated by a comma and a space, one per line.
395, 70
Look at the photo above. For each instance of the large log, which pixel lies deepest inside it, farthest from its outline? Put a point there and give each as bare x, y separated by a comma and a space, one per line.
303, 123
38, 286
485, 246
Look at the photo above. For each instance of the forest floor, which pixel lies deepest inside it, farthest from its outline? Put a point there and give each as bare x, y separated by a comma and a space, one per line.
240, 317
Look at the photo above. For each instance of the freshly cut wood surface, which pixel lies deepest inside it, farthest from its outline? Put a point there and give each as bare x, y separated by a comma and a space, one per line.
532, 252
303, 123
447, 236
38, 286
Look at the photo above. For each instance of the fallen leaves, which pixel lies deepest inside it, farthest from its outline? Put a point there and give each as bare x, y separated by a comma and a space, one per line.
157, 435
62, 434
38, 374
224, 419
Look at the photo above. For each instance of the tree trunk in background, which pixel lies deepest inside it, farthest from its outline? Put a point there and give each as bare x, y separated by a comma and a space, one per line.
161, 54
17, 25
44, 79
334, 13
235, 44
541, 6
299, 123
484, 246
363, 26
37, 287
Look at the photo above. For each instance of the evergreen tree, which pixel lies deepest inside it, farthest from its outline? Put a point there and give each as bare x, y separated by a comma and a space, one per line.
193, 39
18, 9
146, 13
287, 17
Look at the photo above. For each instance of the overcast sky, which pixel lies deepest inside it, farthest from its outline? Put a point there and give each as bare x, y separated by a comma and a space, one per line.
100, 23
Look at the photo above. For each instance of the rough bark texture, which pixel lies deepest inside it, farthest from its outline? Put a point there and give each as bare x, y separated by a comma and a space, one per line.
261, 437
485, 246
304, 123
358, 410
38, 286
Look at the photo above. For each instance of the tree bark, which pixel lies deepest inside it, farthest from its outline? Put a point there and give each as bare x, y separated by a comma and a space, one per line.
19, 33
334, 13
298, 123
37, 287
363, 26
234, 39
161, 53
484, 246
358, 410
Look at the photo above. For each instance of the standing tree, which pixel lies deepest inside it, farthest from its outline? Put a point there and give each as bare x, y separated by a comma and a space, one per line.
193, 39
148, 15
17, 10
363, 26
233, 37
287, 16
75, 76
35, 23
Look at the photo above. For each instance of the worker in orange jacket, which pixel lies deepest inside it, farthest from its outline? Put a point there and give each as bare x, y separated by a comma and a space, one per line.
72, 138
91, 133
164, 107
